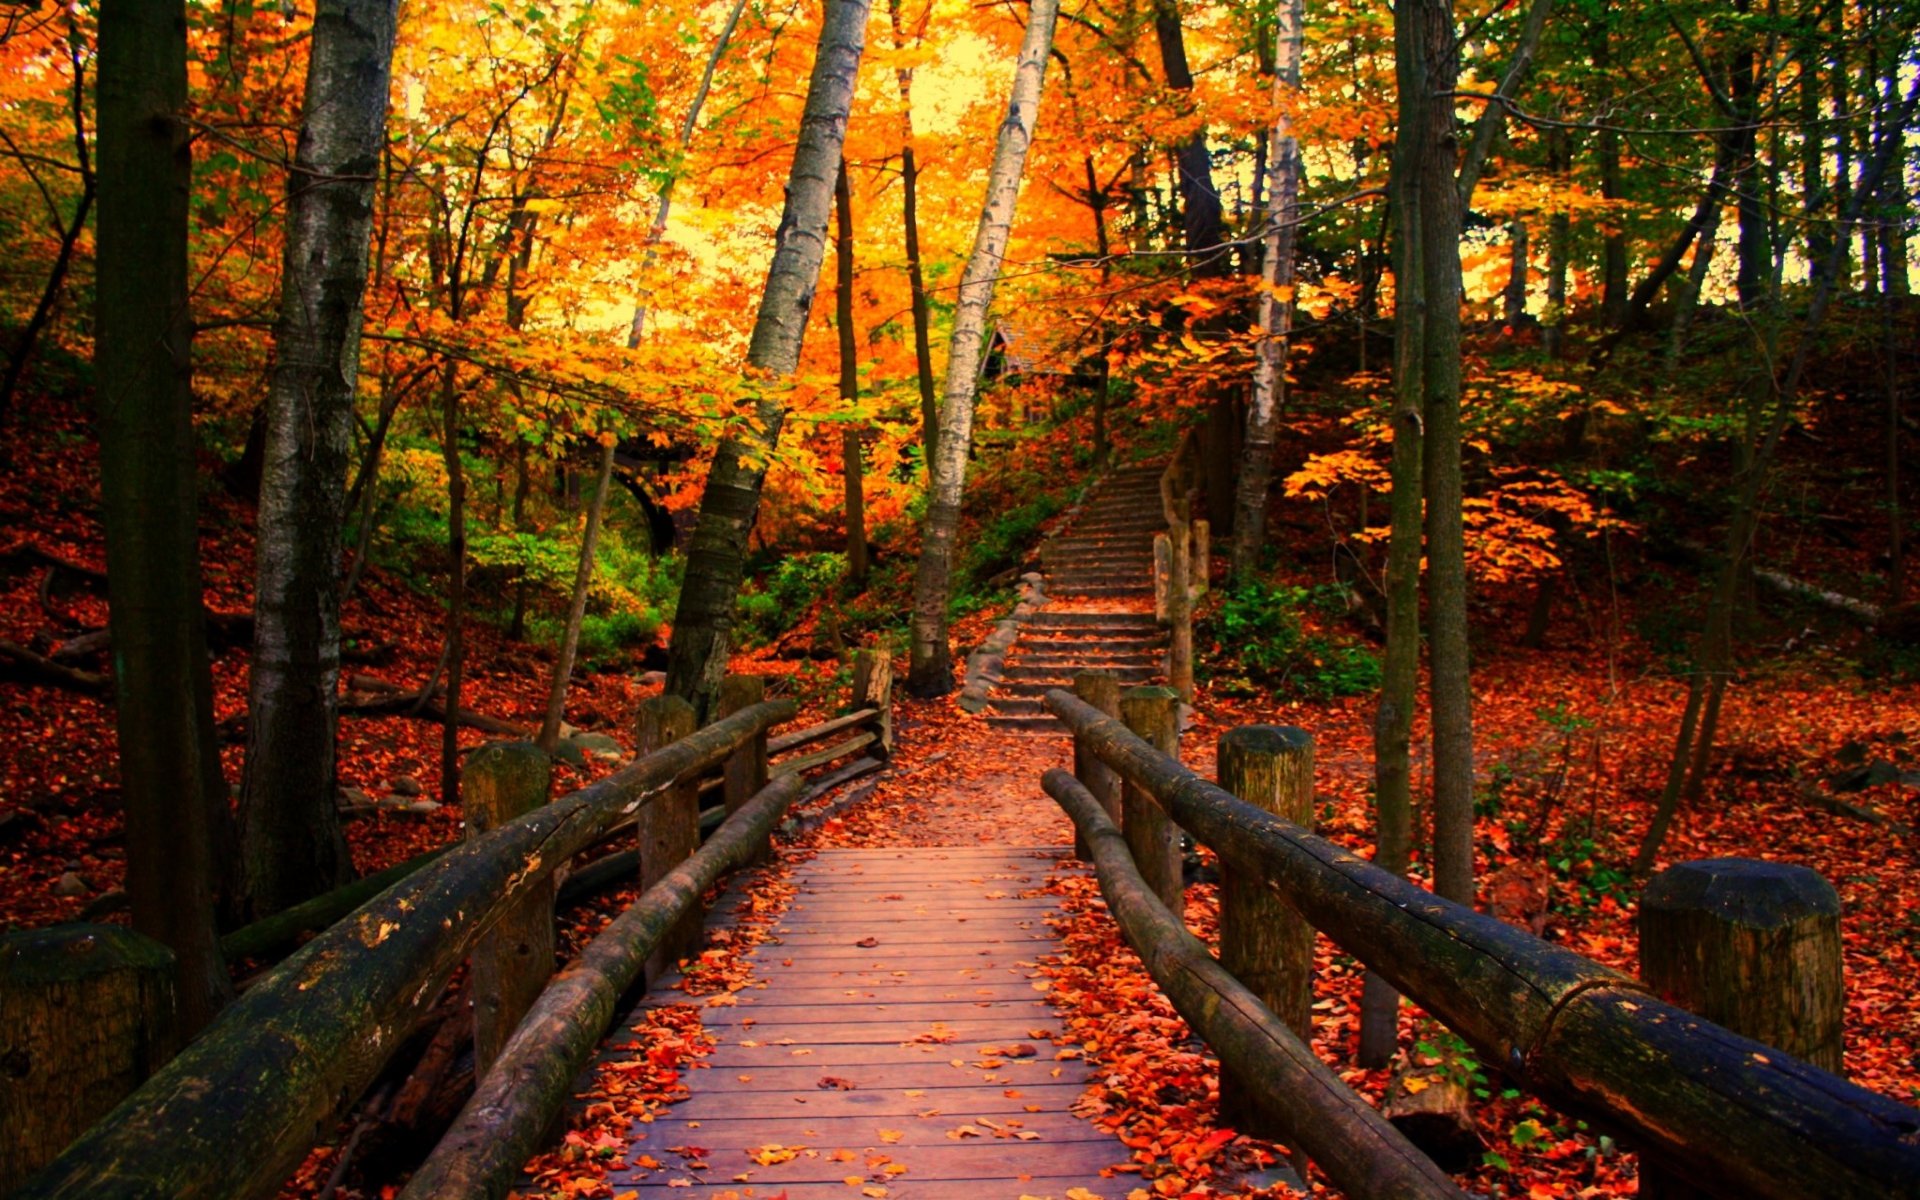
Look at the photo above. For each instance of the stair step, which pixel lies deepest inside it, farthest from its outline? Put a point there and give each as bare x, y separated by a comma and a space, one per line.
1059, 619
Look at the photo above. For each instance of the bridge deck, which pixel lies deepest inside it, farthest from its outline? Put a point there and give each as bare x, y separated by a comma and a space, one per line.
896, 1037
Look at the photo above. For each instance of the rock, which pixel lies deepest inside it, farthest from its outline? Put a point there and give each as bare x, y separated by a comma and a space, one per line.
649, 678
406, 785
1871, 774
425, 808
600, 745
351, 798
570, 752
569, 731
71, 884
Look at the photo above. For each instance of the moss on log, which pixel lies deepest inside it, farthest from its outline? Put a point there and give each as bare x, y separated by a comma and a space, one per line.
1351, 1141
281, 1061
505, 1122
1726, 1113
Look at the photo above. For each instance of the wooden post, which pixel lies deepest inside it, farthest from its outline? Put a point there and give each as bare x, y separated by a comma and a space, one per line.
87, 1012
746, 769
1162, 572
1264, 943
873, 688
1753, 946
514, 960
1102, 690
1180, 611
1202, 558
670, 826
1152, 714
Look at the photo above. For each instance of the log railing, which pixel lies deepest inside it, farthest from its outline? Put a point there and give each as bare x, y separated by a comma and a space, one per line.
233, 1113
1721, 1112
1181, 558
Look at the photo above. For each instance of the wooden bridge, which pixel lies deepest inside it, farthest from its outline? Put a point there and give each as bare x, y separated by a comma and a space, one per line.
894, 1039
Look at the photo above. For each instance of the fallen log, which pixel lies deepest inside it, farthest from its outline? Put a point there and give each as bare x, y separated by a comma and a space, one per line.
1352, 1142
801, 763
280, 930
282, 1060
38, 668
402, 703
1726, 1113
515, 1106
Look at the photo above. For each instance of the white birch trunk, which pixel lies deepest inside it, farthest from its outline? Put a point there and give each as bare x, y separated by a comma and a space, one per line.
931, 670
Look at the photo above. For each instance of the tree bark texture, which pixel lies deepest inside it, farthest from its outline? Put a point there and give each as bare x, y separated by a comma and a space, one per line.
175, 794
855, 488
291, 846
1202, 222
1264, 943
1450, 690
916, 277
514, 959
1344, 1134
930, 670
577, 610
515, 1106
716, 554
454, 655
1276, 303
310, 1036
1718, 1109
669, 828
1153, 840
87, 1012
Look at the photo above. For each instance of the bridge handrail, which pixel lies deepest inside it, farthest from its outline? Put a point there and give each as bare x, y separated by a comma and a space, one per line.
1724, 1112
232, 1113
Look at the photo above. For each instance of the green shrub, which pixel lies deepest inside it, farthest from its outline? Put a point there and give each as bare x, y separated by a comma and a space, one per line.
1257, 640
787, 592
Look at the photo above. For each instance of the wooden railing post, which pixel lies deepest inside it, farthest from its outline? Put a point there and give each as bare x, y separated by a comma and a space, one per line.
1180, 608
669, 830
1264, 943
746, 769
514, 960
1102, 690
1152, 713
1753, 946
1162, 573
1202, 559
873, 688
87, 1012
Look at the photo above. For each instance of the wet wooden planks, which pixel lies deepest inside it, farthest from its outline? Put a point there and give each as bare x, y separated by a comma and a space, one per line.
894, 1043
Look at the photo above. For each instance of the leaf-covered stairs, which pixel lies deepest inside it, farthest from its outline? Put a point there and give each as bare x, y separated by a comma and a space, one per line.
1099, 573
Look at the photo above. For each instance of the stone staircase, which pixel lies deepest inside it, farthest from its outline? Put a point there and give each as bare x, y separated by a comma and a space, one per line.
1099, 575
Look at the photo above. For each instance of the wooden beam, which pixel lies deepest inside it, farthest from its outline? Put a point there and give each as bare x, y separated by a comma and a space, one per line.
1728, 1114
1348, 1137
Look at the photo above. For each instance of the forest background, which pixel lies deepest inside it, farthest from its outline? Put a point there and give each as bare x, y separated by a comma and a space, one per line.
1622, 290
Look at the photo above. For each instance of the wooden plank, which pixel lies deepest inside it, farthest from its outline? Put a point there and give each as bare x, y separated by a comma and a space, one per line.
865, 1012
731, 1056
1048, 1188
907, 1077
719, 1133
999, 1160
892, 991
962, 1031
988, 1101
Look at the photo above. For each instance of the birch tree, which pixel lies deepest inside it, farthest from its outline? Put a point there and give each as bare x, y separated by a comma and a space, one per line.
930, 672
291, 847
716, 555
1276, 301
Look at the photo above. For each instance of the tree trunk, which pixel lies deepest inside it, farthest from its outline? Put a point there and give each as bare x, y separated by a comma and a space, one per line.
1276, 305
1451, 694
849, 381
1200, 213
175, 794
916, 278
1559, 247
454, 655
291, 846
577, 611
1613, 270
930, 672
716, 554
1492, 122
1514, 296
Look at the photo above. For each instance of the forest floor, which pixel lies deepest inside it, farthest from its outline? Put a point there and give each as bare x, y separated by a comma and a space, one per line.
1572, 740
